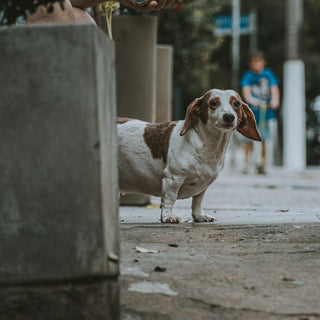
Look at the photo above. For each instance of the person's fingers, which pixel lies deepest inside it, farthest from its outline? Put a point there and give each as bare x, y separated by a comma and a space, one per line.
144, 9
153, 5
169, 3
161, 4
149, 7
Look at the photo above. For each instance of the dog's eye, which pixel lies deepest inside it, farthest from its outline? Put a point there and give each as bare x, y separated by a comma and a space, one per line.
236, 104
214, 103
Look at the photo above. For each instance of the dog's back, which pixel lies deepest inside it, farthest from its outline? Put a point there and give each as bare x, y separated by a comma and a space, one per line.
143, 150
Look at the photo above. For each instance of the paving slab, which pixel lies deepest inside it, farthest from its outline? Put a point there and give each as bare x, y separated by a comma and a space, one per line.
250, 272
280, 197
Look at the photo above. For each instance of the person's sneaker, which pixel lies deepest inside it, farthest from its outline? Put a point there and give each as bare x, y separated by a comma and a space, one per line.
260, 170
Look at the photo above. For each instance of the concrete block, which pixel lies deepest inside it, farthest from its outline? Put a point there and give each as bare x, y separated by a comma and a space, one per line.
58, 186
135, 39
97, 299
164, 83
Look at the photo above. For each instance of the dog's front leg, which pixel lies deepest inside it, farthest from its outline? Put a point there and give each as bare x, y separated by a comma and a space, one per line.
197, 213
170, 188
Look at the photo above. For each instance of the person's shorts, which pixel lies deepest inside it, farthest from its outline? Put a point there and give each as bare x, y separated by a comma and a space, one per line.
265, 132
271, 114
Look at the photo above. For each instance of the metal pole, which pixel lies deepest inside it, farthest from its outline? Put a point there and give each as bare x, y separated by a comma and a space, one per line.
235, 43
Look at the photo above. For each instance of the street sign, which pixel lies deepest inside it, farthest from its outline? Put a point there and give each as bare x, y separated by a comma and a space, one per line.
223, 25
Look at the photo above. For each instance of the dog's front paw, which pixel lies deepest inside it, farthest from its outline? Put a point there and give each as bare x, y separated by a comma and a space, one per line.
170, 219
203, 218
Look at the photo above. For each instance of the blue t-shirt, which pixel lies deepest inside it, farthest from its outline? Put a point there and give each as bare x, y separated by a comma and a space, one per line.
260, 84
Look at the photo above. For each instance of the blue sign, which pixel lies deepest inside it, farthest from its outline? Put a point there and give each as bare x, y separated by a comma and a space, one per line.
223, 25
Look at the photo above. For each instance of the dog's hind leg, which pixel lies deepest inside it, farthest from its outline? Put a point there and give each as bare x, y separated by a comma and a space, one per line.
197, 213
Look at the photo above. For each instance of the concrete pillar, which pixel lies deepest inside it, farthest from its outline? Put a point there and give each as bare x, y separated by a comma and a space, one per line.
59, 235
294, 118
164, 83
135, 39
236, 13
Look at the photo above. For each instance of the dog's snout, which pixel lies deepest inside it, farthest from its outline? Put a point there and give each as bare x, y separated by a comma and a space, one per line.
228, 117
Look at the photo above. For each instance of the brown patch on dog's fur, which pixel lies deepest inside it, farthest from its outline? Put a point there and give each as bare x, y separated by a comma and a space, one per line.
157, 136
121, 120
241, 121
197, 109
204, 116
246, 122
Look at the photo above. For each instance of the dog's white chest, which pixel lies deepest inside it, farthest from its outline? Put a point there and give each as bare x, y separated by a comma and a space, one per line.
201, 177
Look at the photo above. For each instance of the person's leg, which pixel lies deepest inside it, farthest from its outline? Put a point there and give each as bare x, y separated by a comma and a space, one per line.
82, 16
260, 157
68, 14
247, 152
273, 143
263, 157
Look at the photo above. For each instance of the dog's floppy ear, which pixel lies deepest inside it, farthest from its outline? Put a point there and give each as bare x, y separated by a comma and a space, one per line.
247, 126
193, 111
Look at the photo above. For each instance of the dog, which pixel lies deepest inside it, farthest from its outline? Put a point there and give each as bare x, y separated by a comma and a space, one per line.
180, 159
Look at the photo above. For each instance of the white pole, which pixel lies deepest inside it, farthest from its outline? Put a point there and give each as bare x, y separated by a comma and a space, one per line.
294, 118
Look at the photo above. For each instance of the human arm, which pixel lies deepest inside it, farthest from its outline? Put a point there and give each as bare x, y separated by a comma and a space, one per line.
275, 97
248, 97
153, 5
73, 11
274, 89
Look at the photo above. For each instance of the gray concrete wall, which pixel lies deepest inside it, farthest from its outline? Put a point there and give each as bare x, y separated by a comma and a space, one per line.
164, 83
59, 188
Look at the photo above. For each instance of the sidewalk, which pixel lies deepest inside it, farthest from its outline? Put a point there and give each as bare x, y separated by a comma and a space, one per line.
279, 197
259, 260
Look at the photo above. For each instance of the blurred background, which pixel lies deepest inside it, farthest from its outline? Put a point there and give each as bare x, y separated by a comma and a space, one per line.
203, 51
208, 52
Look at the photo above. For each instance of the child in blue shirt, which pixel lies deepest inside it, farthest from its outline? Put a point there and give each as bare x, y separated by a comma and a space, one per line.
260, 89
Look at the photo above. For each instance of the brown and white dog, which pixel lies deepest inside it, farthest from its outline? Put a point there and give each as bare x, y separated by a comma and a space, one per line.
180, 159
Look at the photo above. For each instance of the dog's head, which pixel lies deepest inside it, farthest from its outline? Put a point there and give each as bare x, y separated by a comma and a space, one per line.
224, 110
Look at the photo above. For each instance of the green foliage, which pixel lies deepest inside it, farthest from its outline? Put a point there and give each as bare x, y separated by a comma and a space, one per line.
12, 10
190, 30
202, 61
311, 47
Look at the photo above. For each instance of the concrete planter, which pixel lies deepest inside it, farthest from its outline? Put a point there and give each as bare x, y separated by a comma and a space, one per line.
135, 40
164, 83
59, 244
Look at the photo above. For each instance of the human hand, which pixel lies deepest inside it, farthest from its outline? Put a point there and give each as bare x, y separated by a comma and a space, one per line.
254, 101
152, 5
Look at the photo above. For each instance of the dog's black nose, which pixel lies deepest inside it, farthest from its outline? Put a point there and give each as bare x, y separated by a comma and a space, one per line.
228, 117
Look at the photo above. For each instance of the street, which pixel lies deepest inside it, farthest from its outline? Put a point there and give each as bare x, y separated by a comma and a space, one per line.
259, 260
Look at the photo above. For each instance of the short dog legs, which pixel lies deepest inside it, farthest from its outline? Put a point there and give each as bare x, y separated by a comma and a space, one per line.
170, 188
197, 213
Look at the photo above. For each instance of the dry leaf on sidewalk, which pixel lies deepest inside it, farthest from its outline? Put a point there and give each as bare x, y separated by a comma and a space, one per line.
144, 250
